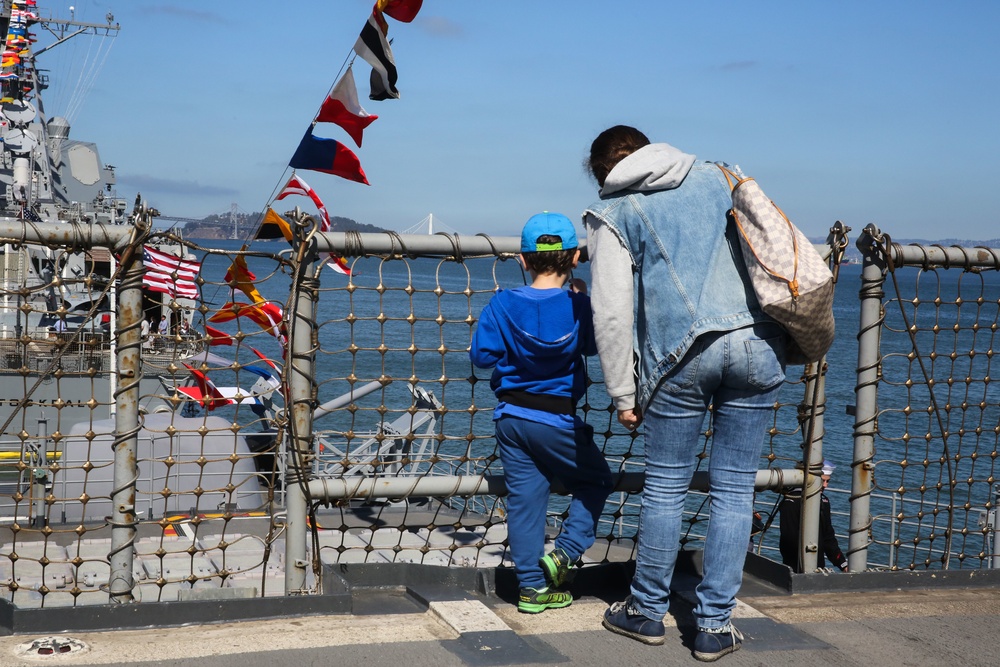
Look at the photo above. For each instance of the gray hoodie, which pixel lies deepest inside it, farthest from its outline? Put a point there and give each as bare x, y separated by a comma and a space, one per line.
652, 167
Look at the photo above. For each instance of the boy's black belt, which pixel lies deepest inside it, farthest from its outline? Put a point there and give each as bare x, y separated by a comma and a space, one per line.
557, 405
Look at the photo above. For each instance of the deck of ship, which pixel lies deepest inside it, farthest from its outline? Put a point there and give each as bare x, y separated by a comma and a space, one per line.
436, 624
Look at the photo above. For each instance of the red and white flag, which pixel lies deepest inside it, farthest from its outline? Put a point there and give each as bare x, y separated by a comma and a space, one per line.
338, 264
343, 108
170, 274
297, 186
212, 397
205, 392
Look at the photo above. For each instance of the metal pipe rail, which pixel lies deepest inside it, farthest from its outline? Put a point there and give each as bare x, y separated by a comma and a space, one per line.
476, 485
348, 398
64, 234
950, 257
357, 244
348, 244
866, 398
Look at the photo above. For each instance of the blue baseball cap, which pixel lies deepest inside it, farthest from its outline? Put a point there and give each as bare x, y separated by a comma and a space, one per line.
552, 224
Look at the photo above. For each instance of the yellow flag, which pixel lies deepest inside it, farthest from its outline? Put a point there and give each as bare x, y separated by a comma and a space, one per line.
239, 277
274, 227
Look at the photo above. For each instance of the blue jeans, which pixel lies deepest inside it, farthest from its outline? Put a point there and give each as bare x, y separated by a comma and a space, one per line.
533, 455
740, 372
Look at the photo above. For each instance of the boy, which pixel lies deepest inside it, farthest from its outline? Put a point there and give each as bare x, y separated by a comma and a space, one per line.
535, 337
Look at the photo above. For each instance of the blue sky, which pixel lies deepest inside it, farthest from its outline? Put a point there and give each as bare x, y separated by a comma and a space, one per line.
865, 112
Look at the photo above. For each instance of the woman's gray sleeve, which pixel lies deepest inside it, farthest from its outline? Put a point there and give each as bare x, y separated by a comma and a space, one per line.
611, 298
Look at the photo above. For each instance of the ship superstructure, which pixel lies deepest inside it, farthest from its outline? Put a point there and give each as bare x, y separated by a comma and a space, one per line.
56, 312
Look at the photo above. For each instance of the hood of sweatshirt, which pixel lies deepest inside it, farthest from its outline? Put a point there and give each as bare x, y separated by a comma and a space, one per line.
652, 167
543, 325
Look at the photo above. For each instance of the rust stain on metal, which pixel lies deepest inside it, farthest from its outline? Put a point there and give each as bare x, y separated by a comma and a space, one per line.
867, 471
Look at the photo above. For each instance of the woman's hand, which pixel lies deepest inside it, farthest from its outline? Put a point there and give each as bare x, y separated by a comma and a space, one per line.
630, 419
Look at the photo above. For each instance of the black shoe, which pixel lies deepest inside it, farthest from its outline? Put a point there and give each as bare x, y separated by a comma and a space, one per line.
623, 619
710, 646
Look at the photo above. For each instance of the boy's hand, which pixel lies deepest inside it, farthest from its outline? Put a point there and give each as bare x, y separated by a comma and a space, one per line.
578, 285
630, 419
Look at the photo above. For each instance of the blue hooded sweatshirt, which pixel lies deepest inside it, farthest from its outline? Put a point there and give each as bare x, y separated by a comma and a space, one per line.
535, 340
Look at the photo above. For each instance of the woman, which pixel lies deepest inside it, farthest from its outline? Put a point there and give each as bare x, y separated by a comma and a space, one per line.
669, 284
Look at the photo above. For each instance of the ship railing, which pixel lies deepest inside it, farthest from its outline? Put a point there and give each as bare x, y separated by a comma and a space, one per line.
927, 406
890, 534
404, 319
69, 353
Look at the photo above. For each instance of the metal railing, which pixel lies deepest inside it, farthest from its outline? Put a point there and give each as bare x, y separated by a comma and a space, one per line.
356, 429
928, 409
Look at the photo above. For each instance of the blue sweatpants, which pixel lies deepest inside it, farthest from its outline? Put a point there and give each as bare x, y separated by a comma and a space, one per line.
533, 455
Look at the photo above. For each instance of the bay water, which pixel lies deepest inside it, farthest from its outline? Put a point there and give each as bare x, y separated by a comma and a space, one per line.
411, 321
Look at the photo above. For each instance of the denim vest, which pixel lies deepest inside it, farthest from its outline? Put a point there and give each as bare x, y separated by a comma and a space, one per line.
689, 273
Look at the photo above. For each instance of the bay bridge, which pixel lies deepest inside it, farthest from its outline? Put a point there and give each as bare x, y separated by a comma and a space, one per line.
236, 217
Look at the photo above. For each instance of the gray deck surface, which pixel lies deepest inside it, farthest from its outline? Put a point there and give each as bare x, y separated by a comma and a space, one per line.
919, 626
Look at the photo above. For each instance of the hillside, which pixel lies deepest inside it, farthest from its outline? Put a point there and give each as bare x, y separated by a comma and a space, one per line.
220, 227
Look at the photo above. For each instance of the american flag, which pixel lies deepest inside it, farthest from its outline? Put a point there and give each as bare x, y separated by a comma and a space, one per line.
29, 214
170, 274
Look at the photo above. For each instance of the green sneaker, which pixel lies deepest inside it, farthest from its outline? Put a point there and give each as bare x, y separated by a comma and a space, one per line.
535, 601
557, 567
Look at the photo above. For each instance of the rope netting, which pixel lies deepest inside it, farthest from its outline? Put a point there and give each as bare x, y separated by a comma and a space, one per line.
938, 420
394, 398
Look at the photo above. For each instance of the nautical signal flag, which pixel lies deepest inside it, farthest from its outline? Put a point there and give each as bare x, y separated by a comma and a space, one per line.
373, 46
206, 392
343, 108
216, 337
274, 227
328, 156
270, 372
296, 186
266, 360
338, 264
401, 10
213, 397
267, 315
170, 274
239, 277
